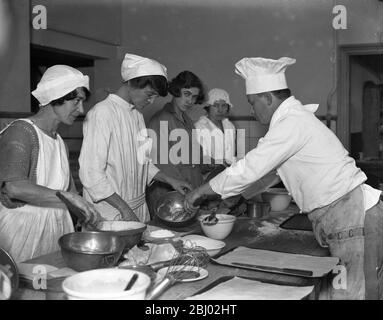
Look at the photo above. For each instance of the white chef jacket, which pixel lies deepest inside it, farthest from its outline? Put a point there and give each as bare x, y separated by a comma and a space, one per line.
114, 157
215, 143
310, 160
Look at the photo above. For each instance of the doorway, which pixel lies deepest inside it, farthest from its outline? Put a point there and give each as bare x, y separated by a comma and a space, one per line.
43, 58
360, 107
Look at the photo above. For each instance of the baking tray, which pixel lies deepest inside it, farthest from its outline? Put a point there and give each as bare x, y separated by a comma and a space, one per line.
276, 282
288, 272
298, 221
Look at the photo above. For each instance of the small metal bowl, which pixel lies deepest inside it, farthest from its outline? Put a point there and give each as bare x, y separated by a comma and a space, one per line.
84, 251
170, 210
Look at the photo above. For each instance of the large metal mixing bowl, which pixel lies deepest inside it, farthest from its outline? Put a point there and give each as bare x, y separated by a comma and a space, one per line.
129, 231
170, 210
91, 250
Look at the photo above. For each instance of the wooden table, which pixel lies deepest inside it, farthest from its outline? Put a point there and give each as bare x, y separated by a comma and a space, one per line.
245, 233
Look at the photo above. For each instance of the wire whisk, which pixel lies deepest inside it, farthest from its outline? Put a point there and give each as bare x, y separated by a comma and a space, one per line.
185, 265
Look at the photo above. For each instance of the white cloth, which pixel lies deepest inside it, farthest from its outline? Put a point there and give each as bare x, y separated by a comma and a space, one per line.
310, 160
114, 157
57, 81
215, 143
217, 94
134, 66
31, 231
239, 288
263, 75
371, 196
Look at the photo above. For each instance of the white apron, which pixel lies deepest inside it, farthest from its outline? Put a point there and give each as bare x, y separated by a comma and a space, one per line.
31, 231
215, 143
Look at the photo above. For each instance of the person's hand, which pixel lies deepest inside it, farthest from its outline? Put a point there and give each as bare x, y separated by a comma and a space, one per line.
191, 199
91, 215
127, 214
181, 186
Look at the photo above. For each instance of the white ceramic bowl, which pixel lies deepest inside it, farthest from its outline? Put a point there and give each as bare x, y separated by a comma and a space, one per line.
278, 198
106, 284
221, 229
212, 246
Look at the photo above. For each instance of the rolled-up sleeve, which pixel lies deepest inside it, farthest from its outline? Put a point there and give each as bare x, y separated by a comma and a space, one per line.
15, 155
278, 145
94, 154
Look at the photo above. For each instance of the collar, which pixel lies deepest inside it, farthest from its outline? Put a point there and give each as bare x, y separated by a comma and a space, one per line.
290, 105
117, 99
170, 107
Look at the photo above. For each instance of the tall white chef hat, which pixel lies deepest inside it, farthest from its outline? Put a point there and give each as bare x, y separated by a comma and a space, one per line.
263, 75
217, 94
134, 66
57, 81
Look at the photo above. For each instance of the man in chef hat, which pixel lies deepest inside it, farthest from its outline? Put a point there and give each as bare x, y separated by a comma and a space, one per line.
114, 159
346, 213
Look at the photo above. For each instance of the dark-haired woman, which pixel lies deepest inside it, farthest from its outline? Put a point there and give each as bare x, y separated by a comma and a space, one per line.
114, 159
175, 152
34, 166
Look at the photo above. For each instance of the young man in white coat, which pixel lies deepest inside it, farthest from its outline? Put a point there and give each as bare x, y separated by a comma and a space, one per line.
115, 167
346, 213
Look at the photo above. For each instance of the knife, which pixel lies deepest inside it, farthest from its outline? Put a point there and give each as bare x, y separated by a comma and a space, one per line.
304, 273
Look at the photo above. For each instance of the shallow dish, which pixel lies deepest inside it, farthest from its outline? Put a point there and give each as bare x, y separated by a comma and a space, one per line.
203, 273
212, 246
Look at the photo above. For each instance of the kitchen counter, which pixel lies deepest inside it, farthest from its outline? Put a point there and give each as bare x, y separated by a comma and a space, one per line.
245, 233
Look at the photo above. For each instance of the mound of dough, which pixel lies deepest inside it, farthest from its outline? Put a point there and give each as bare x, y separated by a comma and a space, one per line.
155, 253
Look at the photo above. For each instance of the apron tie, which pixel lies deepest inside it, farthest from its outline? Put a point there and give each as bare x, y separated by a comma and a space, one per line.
137, 202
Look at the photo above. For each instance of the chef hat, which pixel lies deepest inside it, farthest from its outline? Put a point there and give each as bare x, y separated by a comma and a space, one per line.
263, 75
57, 81
218, 94
134, 66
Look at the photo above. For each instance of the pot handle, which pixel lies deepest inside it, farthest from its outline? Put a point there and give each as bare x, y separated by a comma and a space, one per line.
108, 260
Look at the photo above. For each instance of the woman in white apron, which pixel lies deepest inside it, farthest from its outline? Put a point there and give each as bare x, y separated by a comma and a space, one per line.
34, 166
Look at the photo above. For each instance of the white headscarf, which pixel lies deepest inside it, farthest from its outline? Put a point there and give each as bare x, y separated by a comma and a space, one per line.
57, 81
216, 95
263, 75
134, 66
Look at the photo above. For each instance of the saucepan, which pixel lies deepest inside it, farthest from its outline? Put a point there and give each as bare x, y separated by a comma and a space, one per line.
257, 209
